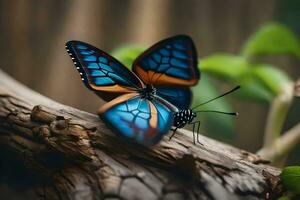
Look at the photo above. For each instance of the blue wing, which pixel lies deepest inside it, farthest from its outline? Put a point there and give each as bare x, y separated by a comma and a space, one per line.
137, 118
101, 72
170, 62
179, 97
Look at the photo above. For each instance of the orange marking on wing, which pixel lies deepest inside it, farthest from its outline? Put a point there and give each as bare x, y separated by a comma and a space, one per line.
113, 88
142, 74
153, 119
152, 131
117, 100
163, 79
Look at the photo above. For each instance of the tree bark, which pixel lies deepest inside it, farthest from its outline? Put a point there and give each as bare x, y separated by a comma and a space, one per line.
53, 151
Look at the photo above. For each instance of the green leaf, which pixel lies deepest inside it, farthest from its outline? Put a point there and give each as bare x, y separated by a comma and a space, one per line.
261, 83
216, 125
284, 198
273, 78
252, 89
127, 54
226, 66
272, 39
290, 177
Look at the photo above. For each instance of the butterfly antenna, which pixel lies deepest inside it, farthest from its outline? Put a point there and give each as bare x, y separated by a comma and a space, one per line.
220, 112
230, 91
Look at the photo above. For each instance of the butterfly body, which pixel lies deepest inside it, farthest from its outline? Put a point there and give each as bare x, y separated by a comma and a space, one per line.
141, 103
148, 92
183, 117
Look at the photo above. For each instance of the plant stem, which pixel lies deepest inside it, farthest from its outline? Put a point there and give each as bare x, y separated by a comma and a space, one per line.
297, 88
282, 145
276, 147
277, 114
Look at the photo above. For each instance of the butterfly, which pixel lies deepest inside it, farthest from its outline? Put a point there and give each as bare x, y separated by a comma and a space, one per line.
142, 104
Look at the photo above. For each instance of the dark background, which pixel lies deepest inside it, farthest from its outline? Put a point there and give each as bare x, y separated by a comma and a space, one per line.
33, 34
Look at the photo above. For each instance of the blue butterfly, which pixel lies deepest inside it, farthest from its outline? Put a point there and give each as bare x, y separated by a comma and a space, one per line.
141, 104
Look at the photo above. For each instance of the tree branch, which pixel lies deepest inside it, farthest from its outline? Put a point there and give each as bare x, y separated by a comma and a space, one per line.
70, 154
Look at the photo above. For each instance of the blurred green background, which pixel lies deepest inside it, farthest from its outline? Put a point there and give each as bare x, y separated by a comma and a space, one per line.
33, 34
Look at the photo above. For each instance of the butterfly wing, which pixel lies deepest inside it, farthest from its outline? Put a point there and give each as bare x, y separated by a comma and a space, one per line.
170, 62
179, 97
101, 72
137, 118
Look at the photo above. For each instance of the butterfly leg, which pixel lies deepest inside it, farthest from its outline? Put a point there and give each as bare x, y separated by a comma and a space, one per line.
198, 132
196, 126
193, 133
174, 131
